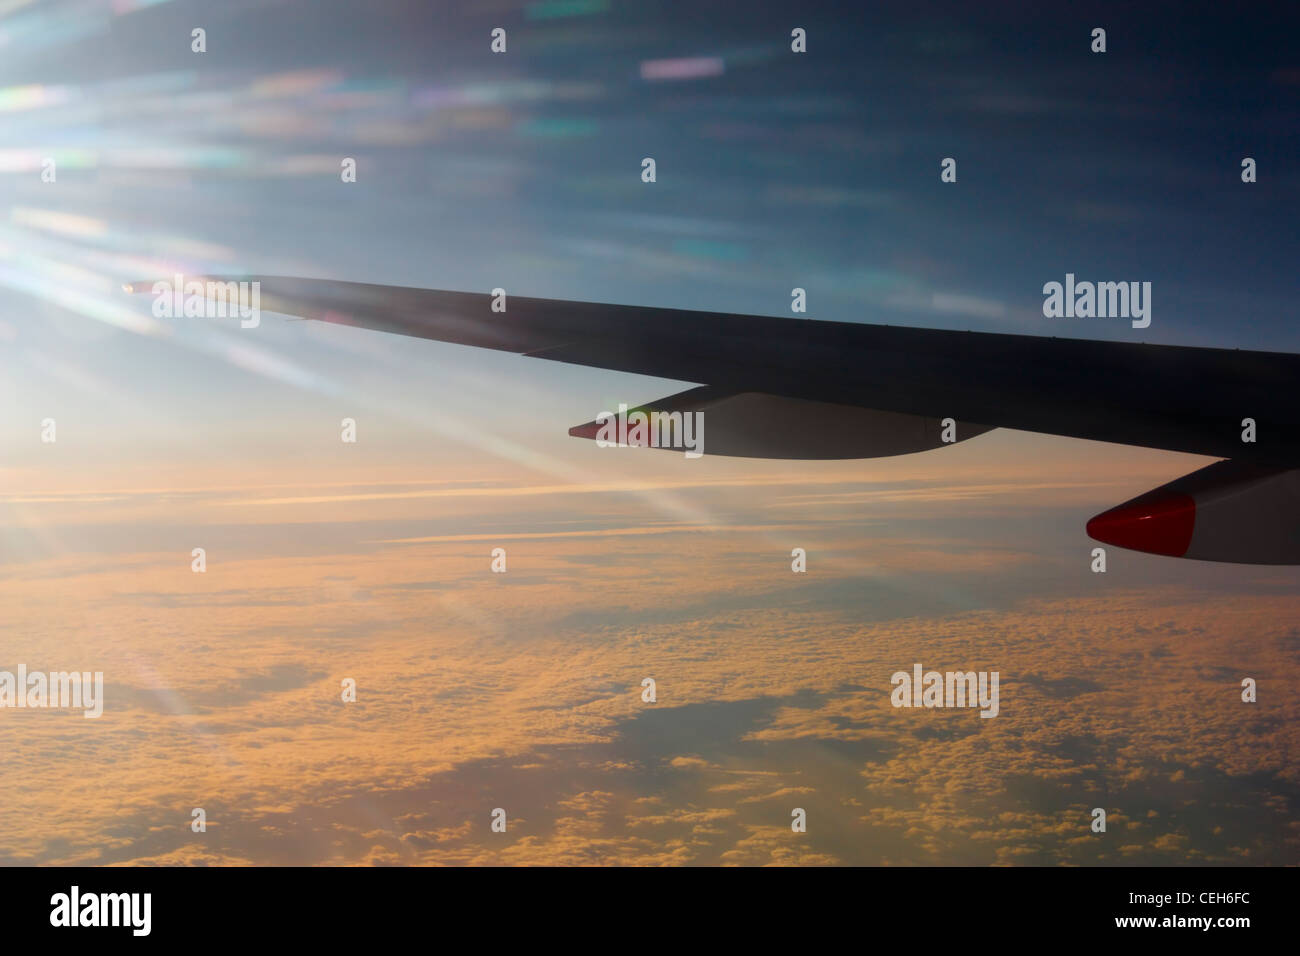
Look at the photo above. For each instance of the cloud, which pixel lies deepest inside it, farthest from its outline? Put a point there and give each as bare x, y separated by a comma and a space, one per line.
522, 691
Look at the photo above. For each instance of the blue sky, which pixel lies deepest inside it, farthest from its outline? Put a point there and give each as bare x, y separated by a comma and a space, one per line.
521, 170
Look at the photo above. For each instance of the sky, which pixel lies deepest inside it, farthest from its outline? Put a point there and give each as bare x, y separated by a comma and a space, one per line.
371, 561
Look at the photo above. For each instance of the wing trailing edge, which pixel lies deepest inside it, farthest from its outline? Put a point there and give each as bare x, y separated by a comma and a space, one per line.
756, 425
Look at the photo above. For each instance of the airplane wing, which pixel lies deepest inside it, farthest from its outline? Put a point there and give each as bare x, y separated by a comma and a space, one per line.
798, 388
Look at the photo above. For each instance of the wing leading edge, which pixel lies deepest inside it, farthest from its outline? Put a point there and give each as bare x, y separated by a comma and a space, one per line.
796, 388
1158, 396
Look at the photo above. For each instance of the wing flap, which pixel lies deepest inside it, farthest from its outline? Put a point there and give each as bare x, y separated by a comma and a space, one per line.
715, 421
